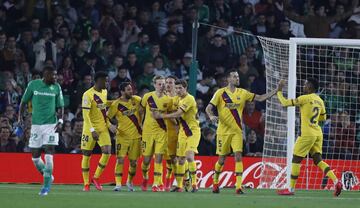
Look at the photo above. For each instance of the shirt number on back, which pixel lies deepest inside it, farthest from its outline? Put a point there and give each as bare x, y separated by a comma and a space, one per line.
316, 112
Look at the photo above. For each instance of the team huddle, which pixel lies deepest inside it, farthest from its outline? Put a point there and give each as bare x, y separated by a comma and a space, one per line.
163, 125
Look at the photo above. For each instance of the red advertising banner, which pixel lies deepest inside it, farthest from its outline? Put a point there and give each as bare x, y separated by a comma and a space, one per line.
18, 168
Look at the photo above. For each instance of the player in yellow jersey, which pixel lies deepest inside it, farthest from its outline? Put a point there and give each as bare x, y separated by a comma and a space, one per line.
312, 110
189, 134
95, 129
229, 103
127, 113
154, 136
172, 132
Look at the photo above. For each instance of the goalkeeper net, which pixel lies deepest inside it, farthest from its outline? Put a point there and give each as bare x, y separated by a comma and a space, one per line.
336, 64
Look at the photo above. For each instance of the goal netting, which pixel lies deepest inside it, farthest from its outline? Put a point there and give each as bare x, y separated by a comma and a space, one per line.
336, 64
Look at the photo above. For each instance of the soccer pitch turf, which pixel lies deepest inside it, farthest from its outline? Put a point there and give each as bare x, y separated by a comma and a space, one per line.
19, 195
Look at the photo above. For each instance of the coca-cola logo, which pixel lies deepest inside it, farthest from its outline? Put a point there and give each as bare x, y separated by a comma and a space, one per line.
253, 176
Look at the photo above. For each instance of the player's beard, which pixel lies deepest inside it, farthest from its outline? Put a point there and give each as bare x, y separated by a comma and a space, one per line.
128, 97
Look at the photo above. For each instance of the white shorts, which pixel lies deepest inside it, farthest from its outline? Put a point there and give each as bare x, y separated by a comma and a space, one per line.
43, 135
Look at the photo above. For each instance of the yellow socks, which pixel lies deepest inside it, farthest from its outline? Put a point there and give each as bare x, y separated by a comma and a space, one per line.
218, 170
85, 166
132, 172
157, 174
295, 171
238, 171
118, 173
179, 175
327, 171
169, 169
192, 170
186, 167
102, 164
145, 170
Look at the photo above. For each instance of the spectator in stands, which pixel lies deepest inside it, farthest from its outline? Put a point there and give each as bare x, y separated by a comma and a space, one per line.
155, 52
254, 119
120, 78
218, 54
96, 42
7, 144
9, 96
23, 144
144, 80
133, 65
260, 28
109, 30
81, 87
90, 12
207, 145
3, 39
106, 56
240, 39
156, 15
284, 32
254, 144
12, 56
203, 10
44, 49
344, 137
26, 44
259, 87
171, 48
113, 68
219, 9
129, 34
35, 28
141, 47
245, 70
23, 75
316, 25
67, 70
159, 68
146, 26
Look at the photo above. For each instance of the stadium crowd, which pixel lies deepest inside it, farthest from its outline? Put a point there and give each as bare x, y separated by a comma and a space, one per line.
134, 40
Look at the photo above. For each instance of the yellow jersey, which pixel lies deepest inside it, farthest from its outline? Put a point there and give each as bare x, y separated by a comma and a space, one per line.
230, 106
188, 120
172, 128
128, 117
151, 102
312, 110
94, 105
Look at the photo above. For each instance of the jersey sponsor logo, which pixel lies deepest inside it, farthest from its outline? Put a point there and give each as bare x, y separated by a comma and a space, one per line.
44, 93
234, 112
232, 105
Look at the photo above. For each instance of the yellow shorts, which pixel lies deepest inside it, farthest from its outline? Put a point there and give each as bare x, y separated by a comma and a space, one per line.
308, 144
171, 146
154, 144
186, 143
129, 147
227, 142
88, 143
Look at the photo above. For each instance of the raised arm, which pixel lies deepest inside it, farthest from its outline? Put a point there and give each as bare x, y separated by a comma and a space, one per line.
261, 98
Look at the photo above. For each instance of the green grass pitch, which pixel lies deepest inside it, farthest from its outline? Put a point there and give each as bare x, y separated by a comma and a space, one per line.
67, 196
